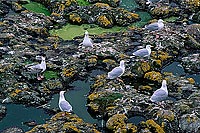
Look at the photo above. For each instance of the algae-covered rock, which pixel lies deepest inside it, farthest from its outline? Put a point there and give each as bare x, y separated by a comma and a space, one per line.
150, 126
153, 75
118, 123
113, 3
191, 63
193, 36
189, 123
65, 122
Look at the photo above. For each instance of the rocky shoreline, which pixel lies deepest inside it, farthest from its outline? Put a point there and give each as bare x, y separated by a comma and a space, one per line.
25, 34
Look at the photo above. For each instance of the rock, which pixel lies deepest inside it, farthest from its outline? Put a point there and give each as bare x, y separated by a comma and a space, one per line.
117, 123
150, 125
103, 15
13, 130
2, 112
64, 122
189, 123
113, 3
193, 36
191, 63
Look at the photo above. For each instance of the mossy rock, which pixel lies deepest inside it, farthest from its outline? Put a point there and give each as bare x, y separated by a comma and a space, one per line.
153, 75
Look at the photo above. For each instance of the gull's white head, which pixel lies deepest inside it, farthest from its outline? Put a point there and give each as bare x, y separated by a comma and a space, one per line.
164, 83
122, 63
160, 21
43, 58
148, 46
86, 32
62, 92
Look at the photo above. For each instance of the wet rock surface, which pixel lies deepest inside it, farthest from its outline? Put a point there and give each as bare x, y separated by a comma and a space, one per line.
2, 112
24, 35
13, 130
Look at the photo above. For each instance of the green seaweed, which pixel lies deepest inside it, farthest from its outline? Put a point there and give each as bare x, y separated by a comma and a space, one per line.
37, 7
70, 31
83, 2
170, 19
50, 74
145, 17
109, 98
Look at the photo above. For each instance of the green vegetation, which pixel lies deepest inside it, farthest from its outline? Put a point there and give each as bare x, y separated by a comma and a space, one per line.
37, 7
109, 98
83, 2
50, 74
170, 19
70, 31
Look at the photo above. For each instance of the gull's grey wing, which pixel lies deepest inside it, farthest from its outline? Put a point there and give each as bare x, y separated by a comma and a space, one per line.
153, 26
160, 92
117, 71
141, 52
65, 106
159, 95
38, 66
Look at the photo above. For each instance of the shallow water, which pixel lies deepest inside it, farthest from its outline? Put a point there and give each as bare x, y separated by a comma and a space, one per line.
136, 119
77, 98
17, 114
177, 69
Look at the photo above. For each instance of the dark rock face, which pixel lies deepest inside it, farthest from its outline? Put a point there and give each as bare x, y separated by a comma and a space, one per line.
2, 112
4, 9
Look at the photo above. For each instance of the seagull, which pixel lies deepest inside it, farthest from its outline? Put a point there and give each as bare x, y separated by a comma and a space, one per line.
63, 104
117, 71
87, 41
160, 94
155, 26
39, 68
145, 52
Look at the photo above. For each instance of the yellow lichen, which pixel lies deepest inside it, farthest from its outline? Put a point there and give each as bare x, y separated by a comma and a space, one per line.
123, 56
158, 62
92, 60
15, 93
71, 126
74, 17
44, 47
69, 72
145, 66
55, 45
62, 7
191, 80
109, 61
166, 114
99, 82
104, 20
163, 10
153, 75
93, 96
102, 5
145, 88
116, 122
132, 15
160, 55
55, 14
152, 124
191, 3
93, 106
132, 127
69, 2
